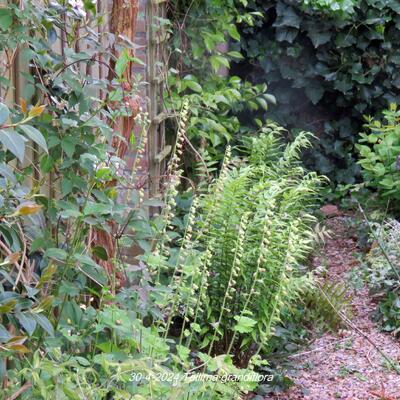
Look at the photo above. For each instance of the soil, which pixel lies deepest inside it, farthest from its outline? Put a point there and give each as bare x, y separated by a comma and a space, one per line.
344, 365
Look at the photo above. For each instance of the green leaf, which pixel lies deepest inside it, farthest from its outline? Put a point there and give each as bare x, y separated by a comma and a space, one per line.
218, 61
35, 136
68, 145
194, 86
5, 18
7, 306
100, 252
14, 142
153, 203
235, 54
379, 169
4, 113
244, 324
319, 38
70, 393
91, 269
270, 98
121, 64
183, 352
233, 32
287, 17
92, 208
27, 321
262, 103
46, 163
315, 93
56, 253
4, 334
6, 172
66, 187
44, 323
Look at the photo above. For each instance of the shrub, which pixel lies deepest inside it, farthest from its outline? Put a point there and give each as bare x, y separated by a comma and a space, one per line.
379, 150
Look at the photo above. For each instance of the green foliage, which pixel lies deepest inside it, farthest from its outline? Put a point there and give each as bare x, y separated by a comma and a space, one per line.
62, 328
47, 241
381, 272
325, 71
199, 70
324, 303
341, 7
69, 329
380, 154
250, 234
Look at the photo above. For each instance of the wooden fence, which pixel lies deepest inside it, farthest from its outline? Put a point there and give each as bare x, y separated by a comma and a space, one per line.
138, 20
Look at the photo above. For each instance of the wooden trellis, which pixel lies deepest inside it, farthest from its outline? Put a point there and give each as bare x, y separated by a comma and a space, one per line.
157, 35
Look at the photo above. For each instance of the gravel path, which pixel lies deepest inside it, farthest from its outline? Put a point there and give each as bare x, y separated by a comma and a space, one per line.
345, 365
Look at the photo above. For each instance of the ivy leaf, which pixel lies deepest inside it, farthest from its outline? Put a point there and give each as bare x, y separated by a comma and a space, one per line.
287, 17
286, 34
35, 136
14, 142
319, 38
315, 93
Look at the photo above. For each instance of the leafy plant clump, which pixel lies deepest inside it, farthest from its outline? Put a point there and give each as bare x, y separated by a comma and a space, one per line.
248, 235
379, 150
382, 273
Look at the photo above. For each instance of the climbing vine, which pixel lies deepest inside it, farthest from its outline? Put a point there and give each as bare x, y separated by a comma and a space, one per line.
326, 71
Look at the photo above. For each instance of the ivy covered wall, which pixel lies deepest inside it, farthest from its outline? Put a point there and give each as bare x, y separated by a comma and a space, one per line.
326, 71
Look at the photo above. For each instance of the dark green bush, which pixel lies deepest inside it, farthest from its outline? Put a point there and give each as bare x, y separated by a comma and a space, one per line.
326, 72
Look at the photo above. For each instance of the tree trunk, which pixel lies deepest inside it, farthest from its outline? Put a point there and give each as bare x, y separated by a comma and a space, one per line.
123, 23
